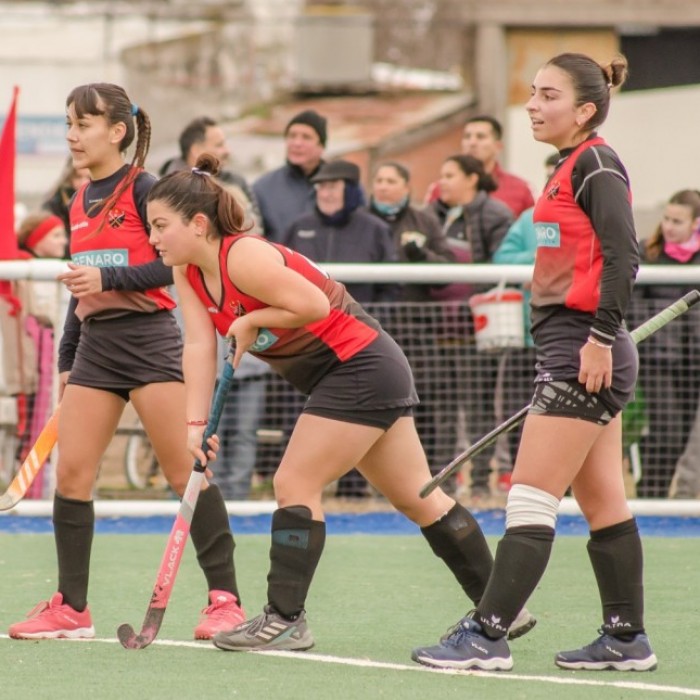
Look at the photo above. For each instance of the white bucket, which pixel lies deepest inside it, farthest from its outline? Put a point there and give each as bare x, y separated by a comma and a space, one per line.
498, 319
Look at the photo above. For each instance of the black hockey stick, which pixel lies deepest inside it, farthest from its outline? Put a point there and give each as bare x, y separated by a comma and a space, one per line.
170, 563
638, 335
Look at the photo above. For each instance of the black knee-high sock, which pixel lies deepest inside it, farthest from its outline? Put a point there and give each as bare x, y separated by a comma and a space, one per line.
297, 545
521, 558
616, 555
74, 525
213, 541
458, 540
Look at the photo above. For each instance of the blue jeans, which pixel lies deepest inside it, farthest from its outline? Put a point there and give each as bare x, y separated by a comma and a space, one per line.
233, 469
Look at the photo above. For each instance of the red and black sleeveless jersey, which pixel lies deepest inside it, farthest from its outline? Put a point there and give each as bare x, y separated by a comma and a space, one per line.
122, 242
301, 355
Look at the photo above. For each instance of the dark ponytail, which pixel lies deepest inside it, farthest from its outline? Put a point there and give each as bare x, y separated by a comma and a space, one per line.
198, 191
592, 82
111, 102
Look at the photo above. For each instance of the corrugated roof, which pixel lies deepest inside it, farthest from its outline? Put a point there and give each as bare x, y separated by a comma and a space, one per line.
365, 119
354, 122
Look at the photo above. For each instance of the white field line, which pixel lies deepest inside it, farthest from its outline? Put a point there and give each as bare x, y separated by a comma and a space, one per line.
368, 663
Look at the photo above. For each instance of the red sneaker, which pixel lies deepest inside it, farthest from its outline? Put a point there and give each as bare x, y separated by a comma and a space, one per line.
53, 619
222, 615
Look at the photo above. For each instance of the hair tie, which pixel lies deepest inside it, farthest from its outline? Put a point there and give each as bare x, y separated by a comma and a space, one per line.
197, 171
134, 109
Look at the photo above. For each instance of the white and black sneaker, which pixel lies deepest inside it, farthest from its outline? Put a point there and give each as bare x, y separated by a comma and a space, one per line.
608, 652
267, 631
522, 624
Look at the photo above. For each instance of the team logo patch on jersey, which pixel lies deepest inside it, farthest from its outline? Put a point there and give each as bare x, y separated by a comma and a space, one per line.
116, 217
237, 308
548, 235
552, 190
264, 340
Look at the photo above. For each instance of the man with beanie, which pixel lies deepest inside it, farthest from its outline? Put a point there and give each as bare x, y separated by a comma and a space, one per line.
286, 193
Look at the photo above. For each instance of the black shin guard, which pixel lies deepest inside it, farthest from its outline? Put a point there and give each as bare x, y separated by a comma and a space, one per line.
458, 540
521, 558
297, 544
74, 525
616, 555
213, 541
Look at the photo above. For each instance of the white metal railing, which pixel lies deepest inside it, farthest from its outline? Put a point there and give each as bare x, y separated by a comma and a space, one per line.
417, 273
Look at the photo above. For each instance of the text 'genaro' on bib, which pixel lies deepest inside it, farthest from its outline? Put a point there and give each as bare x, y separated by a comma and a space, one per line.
116, 257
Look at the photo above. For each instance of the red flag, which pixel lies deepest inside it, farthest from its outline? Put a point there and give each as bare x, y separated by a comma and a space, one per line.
8, 238
8, 148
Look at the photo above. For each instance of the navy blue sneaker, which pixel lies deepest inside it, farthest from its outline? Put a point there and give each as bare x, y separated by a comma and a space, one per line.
464, 647
609, 652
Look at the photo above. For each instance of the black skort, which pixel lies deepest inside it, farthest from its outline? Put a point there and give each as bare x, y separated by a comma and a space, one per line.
558, 342
375, 387
123, 353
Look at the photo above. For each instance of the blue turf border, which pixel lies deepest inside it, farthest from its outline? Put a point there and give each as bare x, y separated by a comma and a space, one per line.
491, 521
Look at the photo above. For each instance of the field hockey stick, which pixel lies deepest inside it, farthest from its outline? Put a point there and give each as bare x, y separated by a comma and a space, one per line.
31, 465
639, 334
170, 563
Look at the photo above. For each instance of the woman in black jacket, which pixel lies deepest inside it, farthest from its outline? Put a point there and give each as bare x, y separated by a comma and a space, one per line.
670, 390
418, 238
416, 232
474, 224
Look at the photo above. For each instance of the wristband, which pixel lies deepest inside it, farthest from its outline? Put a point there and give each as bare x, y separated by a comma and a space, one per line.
597, 343
196, 422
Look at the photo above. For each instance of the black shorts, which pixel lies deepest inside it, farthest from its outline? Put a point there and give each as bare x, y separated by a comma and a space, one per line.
124, 353
557, 389
375, 387
382, 418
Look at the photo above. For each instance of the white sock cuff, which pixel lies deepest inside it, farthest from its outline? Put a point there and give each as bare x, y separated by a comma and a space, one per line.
528, 505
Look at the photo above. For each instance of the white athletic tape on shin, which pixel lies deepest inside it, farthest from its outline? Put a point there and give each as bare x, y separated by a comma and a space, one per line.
528, 505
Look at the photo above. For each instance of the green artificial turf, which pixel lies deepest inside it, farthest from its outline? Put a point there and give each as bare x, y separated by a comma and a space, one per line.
373, 599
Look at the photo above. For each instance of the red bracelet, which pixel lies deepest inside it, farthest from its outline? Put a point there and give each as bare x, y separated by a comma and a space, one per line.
196, 422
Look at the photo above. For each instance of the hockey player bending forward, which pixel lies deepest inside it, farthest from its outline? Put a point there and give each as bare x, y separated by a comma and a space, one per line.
280, 307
